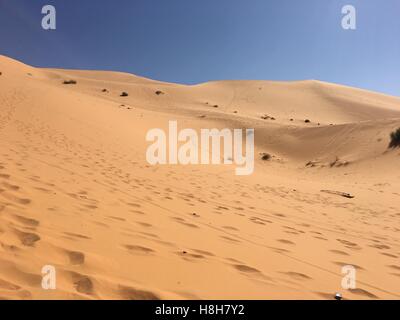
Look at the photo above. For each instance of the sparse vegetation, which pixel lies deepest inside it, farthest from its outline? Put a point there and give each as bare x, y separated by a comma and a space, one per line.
395, 139
307, 121
69, 82
267, 117
124, 94
265, 156
158, 92
215, 106
104, 90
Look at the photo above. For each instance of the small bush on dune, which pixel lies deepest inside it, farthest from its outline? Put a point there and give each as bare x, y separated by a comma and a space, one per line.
124, 94
265, 156
395, 139
69, 82
267, 117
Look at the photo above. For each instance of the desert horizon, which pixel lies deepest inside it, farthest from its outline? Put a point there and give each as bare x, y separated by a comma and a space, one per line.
77, 193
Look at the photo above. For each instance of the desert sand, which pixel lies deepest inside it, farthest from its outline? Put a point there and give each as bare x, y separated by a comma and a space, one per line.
77, 193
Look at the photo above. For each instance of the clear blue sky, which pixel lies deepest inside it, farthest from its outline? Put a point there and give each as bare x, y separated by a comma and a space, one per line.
192, 41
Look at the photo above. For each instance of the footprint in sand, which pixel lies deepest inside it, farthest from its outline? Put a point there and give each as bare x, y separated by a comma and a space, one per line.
364, 293
349, 244
26, 221
203, 252
128, 293
279, 250
83, 284
117, 218
189, 256
389, 255
230, 239
10, 186
183, 222
394, 267
15, 199
76, 258
250, 271
27, 239
230, 228
279, 215
259, 221
246, 269
138, 249
134, 205
144, 224
320, 238
76, 235
297, 275
138, 212
284, 241
339, 252
5, 285
380, 246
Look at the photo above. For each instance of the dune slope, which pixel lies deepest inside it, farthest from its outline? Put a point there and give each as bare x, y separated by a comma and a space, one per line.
77, 193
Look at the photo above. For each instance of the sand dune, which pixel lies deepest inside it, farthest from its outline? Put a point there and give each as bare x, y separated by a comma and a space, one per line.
77, 193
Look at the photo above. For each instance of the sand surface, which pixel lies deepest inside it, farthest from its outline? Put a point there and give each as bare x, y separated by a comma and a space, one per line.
77, 193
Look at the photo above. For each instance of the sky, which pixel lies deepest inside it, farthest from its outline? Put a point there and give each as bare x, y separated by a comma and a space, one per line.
188, 41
